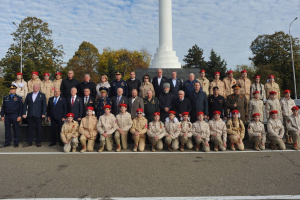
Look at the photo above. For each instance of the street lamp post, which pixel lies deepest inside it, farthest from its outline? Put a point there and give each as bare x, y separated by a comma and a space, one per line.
21, 64
293, 58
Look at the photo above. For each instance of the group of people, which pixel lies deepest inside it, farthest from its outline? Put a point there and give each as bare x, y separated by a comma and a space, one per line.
165, 110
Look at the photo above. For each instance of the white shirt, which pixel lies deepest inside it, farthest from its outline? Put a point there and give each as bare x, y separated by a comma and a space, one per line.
133, 99
56, 98
133, 79
174, 81
159, 80
34, 95
74, 98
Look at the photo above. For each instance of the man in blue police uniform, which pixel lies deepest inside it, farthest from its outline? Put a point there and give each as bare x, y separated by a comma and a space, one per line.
102, 101
11, 113
188, 85
118, 83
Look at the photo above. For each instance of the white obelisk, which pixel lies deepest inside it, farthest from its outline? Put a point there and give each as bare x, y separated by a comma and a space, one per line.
165, 57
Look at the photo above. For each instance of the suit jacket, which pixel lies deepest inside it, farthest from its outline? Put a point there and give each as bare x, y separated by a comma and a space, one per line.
182, 106
165, 101
91, 102
178, 86
199, 103
159, 89
136, 84
36, 108
58, 111
77, 108
115, 107
132, 107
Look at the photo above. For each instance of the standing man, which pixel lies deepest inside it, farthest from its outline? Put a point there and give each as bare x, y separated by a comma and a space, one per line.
118, 83
117, 100
34, 79
182, 104
67, 84
35, 106
102, 101
204, 82
237, 101
199, 102
134, 103
87, 83
272, 86
75, 105
11, 112
57, 81
229, 81
245, 84
133, 83
175, 84
217, 102
257, 86
151, 106
166, 101
56, 111
217, 83
293, 126
88, 101
21, 85
158, 83
188, 85
47, 87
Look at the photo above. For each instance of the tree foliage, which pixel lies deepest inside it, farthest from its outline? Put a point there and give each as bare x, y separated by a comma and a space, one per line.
215, 64
251, 72
194, 58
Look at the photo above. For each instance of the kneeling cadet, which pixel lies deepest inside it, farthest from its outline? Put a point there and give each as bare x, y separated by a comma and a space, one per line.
201, 133
156, 131
69, 134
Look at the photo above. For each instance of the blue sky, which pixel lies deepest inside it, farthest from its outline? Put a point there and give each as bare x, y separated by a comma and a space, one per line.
227, 26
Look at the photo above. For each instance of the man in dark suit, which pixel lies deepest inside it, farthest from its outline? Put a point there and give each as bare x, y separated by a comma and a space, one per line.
57, 110
133, 83
182, 104
88, 101
175, 84
118, 100
158, 83
35, 106
67, 84
166, 101
75, 105
134, 103
87, 83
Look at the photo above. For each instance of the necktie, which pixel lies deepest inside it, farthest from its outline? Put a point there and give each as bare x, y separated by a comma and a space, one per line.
118, 99
55, 101
86, 100
72, 101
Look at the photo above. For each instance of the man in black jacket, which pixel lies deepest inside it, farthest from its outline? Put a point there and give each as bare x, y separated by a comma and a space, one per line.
117, 100
198, 99
86, 84
75, 105
182, 104
88, 101
175, 84
133, 83
67, 84
166, 101
217, 102
158, 83
56, 110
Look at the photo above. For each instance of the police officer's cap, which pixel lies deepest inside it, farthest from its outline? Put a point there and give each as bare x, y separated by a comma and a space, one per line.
103, 90
118, 73
13, 87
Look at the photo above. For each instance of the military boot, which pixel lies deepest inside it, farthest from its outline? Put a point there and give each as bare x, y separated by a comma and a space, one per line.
135, 147
182, 148
83, 149
119, 148
101, 149
197, 147
153, 148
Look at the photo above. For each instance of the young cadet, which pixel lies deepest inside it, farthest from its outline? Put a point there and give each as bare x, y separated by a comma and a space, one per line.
186, 132
293, 126
201, 133
106, 126
275, 131
273, 104
256, 105
218, 132
69, 134
156, 131
236, 131
88, 130
124, 123
173, 128
139, 130
257, 133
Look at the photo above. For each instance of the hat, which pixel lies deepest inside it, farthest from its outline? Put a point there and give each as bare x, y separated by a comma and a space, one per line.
255, 92
185, 113
90, 108
123, 104
13, 86
217, 73
295, 108
19, 73
255, 115
172, 112
229, 72
156, 114
257, 76
103, 90
286, 91
273, 112
243, 71
70, 115
107, 106
235, 112
57, 73
202, 71
236, 87
35, 73
216, 87
166, 85
139, 110
271, 76
217, 112
46, 74
272, 92
200, 113
118, 73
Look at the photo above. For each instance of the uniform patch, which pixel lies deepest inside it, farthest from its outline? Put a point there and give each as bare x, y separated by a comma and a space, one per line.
122, 84
146, 125
53, 88
179, 126
73, 126
288, 121
241, 96
249, 127
204, 83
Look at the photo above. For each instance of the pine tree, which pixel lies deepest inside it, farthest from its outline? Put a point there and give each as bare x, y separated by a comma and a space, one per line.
215, 64
194, 58
111, 69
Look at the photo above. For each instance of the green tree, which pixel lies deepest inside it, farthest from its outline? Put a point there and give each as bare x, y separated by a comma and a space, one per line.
216, 64
194, 58
251, 72
111, 69
272, 55
39, 51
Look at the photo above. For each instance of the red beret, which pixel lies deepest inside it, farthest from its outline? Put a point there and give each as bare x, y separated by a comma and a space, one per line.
107, 106
156, 114
271, 76
217, 112
139, 110
70, 115
57, 73
257, 76
90, 108
235, 112
273, 112
255, 92
19, 73
255, 115
217, 73
230, 72
46, 74
185, 113
202, 71
35, 73
123, 104
286, 91
200, 113
172, 112
295, 108
243, 71
272, 92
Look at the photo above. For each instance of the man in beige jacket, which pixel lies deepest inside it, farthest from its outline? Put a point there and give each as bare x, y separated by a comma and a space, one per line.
229, 81
156, 131
57, 81
201, 133
204, 82
218, 132
272, 86
245, 85
217, 83
236, 131
139, 130
293, 126
47, 87
275, 131
34, 80
69, 134
173, 128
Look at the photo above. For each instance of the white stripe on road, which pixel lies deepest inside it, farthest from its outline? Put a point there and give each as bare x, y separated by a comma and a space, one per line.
145, 152
180, 198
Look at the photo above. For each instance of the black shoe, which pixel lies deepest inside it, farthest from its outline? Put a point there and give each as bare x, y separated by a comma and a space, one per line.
5, 145
16, 145
26, 145
51, 144
38, 145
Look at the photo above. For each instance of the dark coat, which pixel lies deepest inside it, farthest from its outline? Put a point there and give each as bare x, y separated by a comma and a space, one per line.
132, 107
58, 111
12, 105
36, 108
150, 107
136, 84
77, 108
81, 86
217, 103
114, 85
178, 86
188, 87
66, 86
91, 102
115, 107
165, 101
199, 103
182, 106
100, 103
242, 105
159, 89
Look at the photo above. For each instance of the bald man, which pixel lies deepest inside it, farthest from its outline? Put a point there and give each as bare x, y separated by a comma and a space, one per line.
158, 83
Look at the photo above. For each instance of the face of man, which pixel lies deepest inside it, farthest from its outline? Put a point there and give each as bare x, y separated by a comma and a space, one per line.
202, 75
287, 95
12, 91
89, 112
174, 75
272, 96
217, 76
120, 91
197, 87
87, 92
274, 116
244, 75
87, 78
58, 77
36, 88
230, 75
134, 93
70, 74
19, 77
103, 94
257, 80
73, 91
295, 112
156, 118
166, 89
46, 78
56, 92
216, 92
185, 118
180, 95
217, 117
149, 94
171, 117
123, 109
235, 116
159, 73
107, 111
34, 76
256, 119
200, 117
236, 91
70, 119
132, 75
118, 77
191, 77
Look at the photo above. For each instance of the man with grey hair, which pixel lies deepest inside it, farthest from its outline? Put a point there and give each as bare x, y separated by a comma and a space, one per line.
158, 83
166, 101
181, 104
151, 105
87, 83
188, 85
67, 84
117, 100
75, 105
